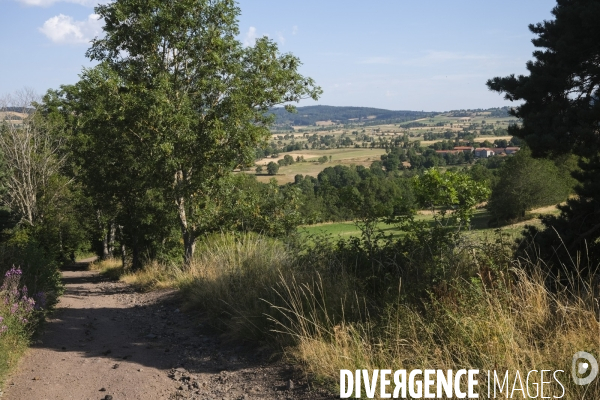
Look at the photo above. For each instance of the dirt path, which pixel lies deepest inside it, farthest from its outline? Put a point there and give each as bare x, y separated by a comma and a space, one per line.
106, 341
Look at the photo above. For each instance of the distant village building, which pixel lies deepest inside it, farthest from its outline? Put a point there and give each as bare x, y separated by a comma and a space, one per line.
448, 151
465, 149
484, 152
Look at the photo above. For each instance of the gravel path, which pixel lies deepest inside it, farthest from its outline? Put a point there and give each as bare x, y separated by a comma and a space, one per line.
106, 341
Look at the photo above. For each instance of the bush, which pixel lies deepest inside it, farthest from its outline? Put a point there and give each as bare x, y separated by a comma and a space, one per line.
272, 168
525, 183
40, 272
18, 319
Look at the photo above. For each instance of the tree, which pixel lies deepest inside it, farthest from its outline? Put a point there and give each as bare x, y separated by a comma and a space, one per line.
560, 113
288, 160
32, 154
450, 196
272, 168
190, 100
259, 169
525, 183
43, 207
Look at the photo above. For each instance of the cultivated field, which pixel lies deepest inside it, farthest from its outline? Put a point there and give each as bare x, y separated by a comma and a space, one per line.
348, 156
15, 117
481, 124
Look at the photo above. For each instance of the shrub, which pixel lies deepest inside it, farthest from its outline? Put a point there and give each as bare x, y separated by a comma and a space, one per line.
525, 183
272, 168
17, 318
40, 272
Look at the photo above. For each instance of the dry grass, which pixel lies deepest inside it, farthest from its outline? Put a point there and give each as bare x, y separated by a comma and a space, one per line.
112, 267
251, 286
522, 326
228, 278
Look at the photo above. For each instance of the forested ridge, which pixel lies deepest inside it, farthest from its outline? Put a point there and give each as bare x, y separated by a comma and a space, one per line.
309, 115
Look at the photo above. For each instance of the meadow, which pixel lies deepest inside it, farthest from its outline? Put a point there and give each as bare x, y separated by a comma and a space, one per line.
479, 230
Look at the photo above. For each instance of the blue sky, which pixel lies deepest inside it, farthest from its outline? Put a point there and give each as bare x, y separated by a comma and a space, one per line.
427, 55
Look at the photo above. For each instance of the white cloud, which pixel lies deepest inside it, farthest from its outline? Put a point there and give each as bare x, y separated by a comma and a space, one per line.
64, 29
281, 38
250, 38
47, 3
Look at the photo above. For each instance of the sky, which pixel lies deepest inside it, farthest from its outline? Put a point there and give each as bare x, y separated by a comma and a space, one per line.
430, 55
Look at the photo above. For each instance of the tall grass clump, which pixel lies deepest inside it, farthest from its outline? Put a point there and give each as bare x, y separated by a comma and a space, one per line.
510, 322
236, 277
233, 278
110, 267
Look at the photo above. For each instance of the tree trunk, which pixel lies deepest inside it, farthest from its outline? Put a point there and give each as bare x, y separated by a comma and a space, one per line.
123, 254
136, 262
189, 237
189, 244
111, 239
105, 251
123, 248
187, 230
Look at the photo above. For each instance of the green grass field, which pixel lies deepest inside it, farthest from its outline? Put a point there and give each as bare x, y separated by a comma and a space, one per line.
479, 226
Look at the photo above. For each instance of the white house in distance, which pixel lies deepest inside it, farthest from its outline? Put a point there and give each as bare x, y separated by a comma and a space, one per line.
484, 152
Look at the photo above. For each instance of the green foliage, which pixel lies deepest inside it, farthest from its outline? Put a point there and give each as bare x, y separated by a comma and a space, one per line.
272, 168
343, 193
450, 196
241, 203
560, 113
40, 268
525, 183
180, 104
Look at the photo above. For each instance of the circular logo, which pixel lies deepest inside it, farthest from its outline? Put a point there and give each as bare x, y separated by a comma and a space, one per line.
581, 367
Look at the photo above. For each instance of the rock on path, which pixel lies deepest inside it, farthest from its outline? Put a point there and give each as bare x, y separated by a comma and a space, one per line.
105, 341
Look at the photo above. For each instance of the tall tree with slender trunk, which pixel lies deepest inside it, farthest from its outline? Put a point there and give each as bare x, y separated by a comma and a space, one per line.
190, 101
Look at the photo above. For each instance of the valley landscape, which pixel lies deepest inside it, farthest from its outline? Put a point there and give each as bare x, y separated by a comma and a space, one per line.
186, 219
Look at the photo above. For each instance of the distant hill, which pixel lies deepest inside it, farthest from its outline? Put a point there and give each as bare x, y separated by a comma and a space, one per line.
312, 114
20, 110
